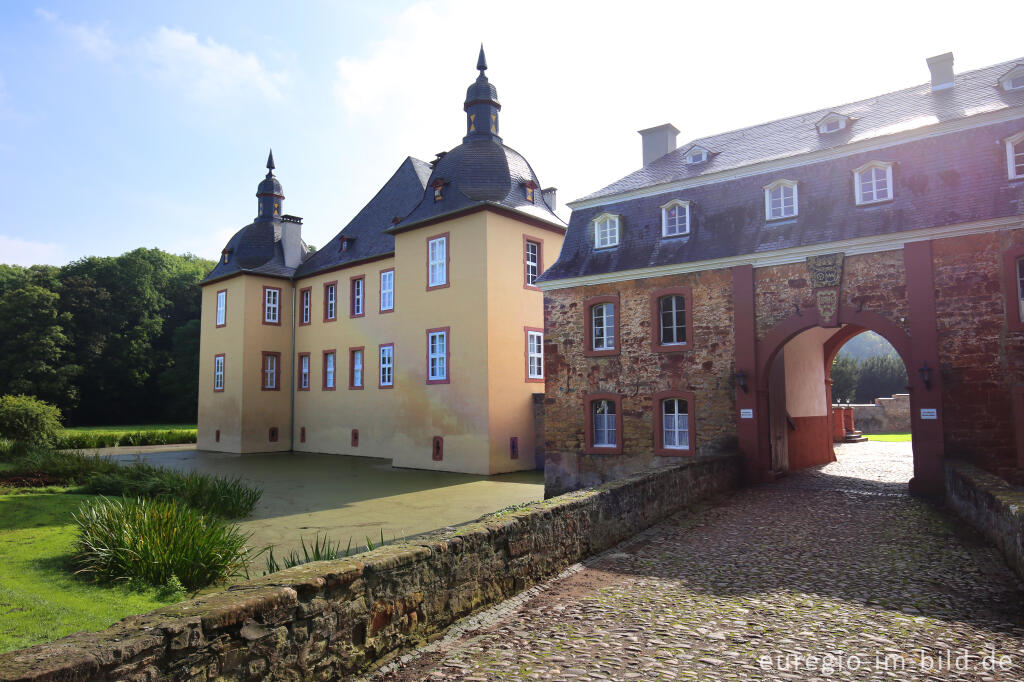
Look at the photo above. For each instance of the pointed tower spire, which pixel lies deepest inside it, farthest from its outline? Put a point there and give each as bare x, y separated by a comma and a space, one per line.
269, 194
482, 106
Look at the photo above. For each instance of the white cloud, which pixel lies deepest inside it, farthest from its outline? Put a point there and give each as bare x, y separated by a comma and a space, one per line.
92, 39
207, 69
14, 251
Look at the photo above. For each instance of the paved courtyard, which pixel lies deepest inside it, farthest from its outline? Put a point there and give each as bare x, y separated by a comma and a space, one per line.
834, 573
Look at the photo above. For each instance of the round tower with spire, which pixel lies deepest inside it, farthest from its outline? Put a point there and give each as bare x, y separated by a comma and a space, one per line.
270, 194
482, 106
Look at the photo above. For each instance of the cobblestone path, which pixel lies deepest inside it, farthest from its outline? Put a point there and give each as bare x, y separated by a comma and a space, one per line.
834, 573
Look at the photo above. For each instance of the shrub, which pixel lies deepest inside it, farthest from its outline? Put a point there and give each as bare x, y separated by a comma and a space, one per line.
28, 420
155, 540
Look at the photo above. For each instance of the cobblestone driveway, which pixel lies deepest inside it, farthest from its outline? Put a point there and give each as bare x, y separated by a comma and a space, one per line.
829, 574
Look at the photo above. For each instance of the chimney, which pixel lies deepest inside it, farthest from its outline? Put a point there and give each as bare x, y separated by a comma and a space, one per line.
549, 197
941, 67
658, 141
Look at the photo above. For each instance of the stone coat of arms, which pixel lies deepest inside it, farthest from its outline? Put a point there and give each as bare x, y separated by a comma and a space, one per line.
826, 275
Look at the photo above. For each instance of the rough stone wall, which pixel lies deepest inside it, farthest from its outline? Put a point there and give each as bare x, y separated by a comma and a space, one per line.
991, 505
636, 373
885, 415
980, 359
329, 619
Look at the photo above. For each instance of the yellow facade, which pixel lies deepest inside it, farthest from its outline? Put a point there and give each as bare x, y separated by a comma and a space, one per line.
486, 309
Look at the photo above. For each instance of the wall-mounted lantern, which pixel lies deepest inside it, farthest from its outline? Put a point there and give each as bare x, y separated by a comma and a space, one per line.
741, 380
926, 375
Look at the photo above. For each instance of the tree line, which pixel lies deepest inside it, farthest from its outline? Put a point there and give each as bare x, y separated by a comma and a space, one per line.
108, 340
861, 381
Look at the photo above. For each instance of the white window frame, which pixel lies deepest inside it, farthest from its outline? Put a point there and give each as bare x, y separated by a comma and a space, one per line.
269, 372
532, 266
670, 424
218, 373
304, 372
387, 366
358, 287
1012, 154
696, 155
307, 306
1020, 287
665, 225
606, 231
857, 182
678, 320
607, 317
222, 307
437, 259
272, 308
604, 424
781, 186
832, 123
437, 356
356, 358
387, 290
330, 370
1009, 80
534, 355
332, 301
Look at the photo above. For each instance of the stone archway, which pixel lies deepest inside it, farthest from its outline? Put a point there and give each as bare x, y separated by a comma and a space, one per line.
926, 434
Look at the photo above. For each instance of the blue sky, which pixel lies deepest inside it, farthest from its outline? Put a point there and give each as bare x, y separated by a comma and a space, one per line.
127, 124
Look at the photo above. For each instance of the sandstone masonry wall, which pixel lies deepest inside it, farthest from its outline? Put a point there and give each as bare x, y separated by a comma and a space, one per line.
885, 415
991, 505
329, 619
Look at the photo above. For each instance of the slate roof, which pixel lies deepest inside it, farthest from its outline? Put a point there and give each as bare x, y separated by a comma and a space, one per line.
973, 93
938, 180
257, 249
480, 172
368, 229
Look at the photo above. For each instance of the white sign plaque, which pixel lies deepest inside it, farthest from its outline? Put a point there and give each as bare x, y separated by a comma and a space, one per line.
748, 413
929, 413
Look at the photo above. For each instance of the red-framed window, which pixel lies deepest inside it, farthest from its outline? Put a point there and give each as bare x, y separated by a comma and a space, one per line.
357, 296
387, 290
439, 349
1013, 285
305, 306
438, 261
222, 307
303, 380
331, 301
671, 319
355, 368
601, 326
674, 433
270, 371
219, 372
272, 306
533, 261
386, 366
534, 354
603, 424
330, 370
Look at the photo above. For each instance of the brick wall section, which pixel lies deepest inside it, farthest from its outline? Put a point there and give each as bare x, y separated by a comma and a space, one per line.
332, 618
980, 359
992, 506
636, 374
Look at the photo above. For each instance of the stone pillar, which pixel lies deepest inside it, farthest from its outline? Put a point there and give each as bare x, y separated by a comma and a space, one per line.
838, 429
848, 419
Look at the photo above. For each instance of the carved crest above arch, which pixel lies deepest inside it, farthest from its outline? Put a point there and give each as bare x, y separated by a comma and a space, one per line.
826, 270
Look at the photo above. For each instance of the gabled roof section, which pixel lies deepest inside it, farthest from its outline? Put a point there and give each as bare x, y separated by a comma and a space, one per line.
974, 93
696, 149
833, 116
367, 231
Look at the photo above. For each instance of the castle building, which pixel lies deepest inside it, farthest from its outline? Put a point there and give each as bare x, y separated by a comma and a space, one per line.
698, 303
416, 334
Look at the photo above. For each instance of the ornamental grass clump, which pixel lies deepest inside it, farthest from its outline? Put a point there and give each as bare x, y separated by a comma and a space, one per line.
153, 540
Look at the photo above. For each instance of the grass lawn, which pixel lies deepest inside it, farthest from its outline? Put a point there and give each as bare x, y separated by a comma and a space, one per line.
40, 599
130, 429
889, 437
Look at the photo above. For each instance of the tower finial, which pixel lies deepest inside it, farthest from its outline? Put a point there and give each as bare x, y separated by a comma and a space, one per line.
481, 62
270, 163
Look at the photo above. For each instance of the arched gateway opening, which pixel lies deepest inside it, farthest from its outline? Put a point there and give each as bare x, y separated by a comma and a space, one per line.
793, 415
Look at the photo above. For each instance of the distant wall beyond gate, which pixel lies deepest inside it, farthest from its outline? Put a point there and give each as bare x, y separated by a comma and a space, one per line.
885, 415
332, 618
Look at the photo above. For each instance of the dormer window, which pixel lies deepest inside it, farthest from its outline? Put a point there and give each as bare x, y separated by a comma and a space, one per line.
832, 122
529, 187
675, 218
346, 242
696, 155
1013, 79
872, 182
780, 200
226, 253
1015, 156
606, 231
438, 186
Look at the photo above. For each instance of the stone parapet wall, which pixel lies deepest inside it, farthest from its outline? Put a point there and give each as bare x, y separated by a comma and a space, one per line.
329, 619
991, 505
885, 415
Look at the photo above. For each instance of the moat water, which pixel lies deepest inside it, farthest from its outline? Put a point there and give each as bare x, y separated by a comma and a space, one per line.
351, 497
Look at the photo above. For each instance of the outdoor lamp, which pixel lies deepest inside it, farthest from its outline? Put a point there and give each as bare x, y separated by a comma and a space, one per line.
926, 375
741, 380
